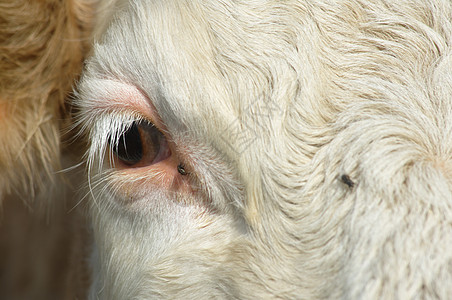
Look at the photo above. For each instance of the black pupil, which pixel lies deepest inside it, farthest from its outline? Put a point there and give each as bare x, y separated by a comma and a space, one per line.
129, 148
140, 141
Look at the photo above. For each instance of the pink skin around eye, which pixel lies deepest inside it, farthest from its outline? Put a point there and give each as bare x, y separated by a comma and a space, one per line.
162, 171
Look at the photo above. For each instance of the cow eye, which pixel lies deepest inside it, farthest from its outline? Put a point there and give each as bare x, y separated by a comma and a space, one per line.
141, 144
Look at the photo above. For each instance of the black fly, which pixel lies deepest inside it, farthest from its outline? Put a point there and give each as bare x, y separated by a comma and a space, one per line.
181, 169
346, 179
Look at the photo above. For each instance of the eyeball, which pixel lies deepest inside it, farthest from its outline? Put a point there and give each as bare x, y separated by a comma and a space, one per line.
140, 145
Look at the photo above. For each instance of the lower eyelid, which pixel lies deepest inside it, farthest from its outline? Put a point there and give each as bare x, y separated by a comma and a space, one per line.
131, 186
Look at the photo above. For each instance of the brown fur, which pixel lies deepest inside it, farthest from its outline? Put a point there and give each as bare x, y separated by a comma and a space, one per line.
42, 47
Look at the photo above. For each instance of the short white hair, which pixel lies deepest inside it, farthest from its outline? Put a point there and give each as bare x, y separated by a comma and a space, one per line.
319, 139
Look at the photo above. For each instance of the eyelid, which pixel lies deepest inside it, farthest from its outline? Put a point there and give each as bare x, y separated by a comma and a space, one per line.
112, 105
107, 96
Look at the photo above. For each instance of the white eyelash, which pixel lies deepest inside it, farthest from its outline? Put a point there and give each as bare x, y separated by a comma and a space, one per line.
107, 131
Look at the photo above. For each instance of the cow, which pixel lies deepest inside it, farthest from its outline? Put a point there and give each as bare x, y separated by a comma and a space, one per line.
271, 149
260, 149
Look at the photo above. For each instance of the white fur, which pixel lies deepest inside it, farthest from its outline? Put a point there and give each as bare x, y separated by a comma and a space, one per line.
270, 103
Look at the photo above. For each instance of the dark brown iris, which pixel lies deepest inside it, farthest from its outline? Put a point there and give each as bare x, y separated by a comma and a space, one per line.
139, 143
